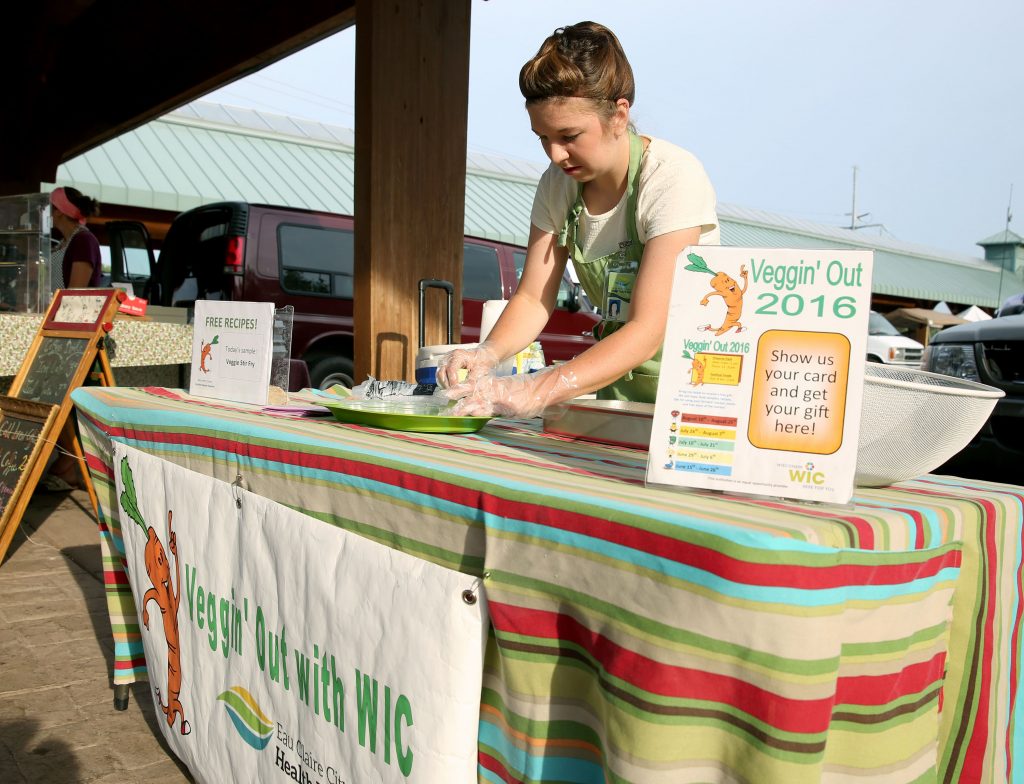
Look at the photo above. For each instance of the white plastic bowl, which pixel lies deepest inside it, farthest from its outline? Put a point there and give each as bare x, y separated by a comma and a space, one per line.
913, 421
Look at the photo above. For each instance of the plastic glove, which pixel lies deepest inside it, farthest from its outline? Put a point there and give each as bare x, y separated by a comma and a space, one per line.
522, 396
476, 362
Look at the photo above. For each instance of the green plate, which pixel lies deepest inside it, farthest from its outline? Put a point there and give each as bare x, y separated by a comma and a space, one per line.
402, 416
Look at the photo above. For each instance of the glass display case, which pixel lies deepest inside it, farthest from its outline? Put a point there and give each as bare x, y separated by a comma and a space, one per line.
25, 253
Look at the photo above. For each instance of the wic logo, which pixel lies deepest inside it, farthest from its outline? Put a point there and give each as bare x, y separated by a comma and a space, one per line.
249, 719
807, 475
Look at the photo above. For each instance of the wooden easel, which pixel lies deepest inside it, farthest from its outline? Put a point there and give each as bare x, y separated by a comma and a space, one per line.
67, 347
26, 432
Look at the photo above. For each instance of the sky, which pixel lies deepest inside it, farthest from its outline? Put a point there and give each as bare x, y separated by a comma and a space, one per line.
780, 101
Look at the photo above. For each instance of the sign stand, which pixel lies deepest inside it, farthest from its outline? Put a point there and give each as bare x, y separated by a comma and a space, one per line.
66, 348
26, 430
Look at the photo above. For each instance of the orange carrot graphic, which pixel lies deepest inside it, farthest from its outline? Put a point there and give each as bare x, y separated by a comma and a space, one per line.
207, 350
726, 288
696, 370
698, 373
165, 593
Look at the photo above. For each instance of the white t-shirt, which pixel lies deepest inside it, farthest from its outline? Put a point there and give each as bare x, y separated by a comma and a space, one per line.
674, 193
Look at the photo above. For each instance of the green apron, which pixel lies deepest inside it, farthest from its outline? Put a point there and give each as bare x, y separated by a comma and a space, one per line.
609, 281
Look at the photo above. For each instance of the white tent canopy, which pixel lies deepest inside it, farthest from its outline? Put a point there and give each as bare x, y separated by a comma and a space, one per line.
974, 313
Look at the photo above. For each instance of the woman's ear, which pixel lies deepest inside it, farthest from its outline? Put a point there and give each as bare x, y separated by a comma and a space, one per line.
620, 117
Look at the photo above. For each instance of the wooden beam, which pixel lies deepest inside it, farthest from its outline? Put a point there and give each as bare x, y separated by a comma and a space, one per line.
412, 93
227, 40
81, 72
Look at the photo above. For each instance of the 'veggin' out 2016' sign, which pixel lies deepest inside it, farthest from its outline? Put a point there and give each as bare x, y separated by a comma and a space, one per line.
762, 372
278, 646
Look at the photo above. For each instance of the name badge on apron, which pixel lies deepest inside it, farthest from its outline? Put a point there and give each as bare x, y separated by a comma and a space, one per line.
620, 278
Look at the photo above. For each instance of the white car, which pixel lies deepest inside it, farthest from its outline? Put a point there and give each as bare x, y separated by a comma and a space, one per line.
887, 345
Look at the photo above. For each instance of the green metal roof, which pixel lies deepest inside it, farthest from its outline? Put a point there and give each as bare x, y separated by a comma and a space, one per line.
176, 163
1005, 237
901, 269
207, 152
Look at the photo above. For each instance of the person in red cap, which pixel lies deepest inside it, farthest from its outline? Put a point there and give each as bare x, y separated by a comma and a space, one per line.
75, 263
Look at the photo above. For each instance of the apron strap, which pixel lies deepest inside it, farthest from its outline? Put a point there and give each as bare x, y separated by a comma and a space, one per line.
572, 220
636, 152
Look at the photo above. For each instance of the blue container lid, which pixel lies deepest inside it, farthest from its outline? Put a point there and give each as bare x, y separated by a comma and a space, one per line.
426, 375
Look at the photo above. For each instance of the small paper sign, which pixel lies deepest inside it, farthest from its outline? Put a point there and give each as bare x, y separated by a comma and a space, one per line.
133, 306
231, 349
762, 372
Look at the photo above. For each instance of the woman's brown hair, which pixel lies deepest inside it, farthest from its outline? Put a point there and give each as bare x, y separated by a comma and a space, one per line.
583, 60
88, 206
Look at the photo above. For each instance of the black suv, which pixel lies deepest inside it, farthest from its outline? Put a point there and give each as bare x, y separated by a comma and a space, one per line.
991, 352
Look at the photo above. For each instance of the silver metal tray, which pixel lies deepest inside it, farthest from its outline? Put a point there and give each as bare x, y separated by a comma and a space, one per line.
615, 422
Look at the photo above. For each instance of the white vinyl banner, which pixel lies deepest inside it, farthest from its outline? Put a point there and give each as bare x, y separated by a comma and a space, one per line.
281, 648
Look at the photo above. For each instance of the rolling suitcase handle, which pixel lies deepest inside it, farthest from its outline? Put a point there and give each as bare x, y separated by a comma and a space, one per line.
429, 283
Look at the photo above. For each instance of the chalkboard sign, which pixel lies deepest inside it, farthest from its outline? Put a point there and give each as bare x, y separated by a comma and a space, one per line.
69, 343
54, 368
26, 441
82, 310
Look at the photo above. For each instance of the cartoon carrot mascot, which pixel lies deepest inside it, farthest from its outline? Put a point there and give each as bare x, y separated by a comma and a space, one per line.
207, 350
696, 371
163, 593
726, 288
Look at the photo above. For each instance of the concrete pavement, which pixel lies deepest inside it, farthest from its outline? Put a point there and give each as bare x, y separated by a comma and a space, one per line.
57, 720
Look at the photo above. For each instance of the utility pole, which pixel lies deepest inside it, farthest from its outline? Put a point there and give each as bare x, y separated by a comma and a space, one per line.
1009, 206
1007, 260
853, 205
854, 217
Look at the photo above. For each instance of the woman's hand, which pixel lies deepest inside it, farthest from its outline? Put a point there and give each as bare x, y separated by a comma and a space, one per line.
476, 362
521, 396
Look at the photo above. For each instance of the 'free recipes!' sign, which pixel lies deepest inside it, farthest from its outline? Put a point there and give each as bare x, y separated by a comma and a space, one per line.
763, 371
231, 350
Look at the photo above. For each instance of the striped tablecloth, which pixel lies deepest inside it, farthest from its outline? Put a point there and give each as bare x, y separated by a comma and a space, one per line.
645, 634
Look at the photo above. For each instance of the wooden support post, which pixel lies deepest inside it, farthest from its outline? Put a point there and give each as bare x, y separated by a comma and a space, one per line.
412, 92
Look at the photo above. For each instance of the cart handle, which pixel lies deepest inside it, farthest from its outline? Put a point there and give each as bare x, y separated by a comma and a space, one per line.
430, 283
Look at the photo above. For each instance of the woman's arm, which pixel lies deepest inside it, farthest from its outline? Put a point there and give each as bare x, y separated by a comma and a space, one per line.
641, 336
534, 298
81, 274
606, 361
522, 319
84, 255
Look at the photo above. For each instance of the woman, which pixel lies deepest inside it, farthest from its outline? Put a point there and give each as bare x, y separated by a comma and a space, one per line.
624, 207
75, 263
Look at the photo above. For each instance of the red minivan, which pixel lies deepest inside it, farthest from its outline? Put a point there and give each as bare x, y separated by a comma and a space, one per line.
260, 253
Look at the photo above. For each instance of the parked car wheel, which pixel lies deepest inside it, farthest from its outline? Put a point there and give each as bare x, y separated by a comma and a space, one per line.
325, 372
